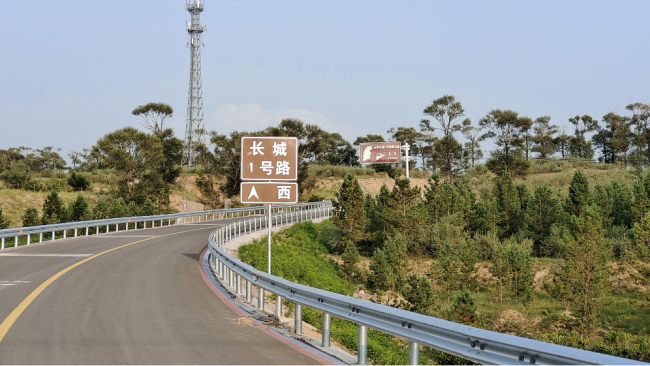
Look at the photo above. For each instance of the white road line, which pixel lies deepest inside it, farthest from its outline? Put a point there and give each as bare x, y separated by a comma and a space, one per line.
42, 255
7, 284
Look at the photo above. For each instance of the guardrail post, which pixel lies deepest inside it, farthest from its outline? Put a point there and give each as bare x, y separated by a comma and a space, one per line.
238, 284
249, 291
229, 277
298, 319
75, 232
326, 330
86, 230
3, 244
414, 353
260, 298
53, 235
278, 305
40, 237
29, 239
363, 345
65, 233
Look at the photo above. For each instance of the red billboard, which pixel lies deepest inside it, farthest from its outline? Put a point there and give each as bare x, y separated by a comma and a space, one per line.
380, 153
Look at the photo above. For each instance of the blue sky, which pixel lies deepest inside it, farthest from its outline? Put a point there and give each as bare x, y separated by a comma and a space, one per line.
71, 71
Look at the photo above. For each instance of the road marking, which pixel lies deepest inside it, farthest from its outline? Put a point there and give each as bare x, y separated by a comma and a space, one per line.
7, 284
42, 255
1, 282
11, 319
121, 236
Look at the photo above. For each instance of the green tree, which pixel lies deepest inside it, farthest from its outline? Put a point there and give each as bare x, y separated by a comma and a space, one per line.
446, 271
500, 269
172, 152
349, 210
31, 217
579, 147
641, 121
641, 200
468, 256
474, 137
508, 204
641, 233
543, 139
153, 116
350, 258
133, 154
389, 265
53, 210
506, 127
542, 212
420, 295
4, 221
584, 272
78, 182
79, 209
579, 197
463, 308
17, 175
148, 208
101, 210
521, 273
448, 151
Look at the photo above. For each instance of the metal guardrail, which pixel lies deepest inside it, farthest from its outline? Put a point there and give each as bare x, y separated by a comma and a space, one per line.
474, 344
10, 238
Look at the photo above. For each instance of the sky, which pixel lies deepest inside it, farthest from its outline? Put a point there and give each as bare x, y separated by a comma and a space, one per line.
72, 71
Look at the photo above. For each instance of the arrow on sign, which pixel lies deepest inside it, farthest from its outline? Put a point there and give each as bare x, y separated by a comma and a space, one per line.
253, 194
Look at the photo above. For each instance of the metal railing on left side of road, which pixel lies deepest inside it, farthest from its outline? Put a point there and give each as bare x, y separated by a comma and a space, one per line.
15, 237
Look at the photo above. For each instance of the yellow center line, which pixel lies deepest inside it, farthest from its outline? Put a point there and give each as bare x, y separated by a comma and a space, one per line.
11, 319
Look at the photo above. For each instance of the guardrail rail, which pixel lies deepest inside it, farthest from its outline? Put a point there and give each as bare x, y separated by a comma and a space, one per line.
471, 343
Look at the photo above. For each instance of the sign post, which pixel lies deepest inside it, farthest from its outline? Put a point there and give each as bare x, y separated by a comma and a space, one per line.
269, 171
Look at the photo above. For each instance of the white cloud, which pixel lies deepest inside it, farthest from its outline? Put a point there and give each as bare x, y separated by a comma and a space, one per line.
253, 117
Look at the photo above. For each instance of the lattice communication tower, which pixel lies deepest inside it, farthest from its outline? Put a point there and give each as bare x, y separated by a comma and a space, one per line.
195, 96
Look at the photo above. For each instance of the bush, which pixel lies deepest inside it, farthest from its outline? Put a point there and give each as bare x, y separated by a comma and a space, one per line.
337, 171
78, 182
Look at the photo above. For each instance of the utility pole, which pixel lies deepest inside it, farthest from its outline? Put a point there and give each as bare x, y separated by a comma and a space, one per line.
195, 95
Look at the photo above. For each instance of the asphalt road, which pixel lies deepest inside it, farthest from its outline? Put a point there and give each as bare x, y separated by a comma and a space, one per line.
144, 303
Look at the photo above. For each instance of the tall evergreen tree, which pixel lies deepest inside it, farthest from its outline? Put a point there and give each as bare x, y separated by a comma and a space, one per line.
579, 197
542, 212
579, 147
468, 256
53, 210
31, 217
420, 295
446, 271
500, 269
350, 258
463, 309
584, 272
641, 201
79, 209
521, 273
508, 204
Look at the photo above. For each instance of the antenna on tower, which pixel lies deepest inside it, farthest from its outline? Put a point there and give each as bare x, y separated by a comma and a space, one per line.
195, 95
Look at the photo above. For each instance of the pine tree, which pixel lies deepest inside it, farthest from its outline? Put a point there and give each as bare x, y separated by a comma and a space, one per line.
349, 210
396, 250
604, 199
382, 276
4, 222
485, 217
79, 209
641, 201
584, 272
579, 197
53, 209
521, 273
641, 232
500, 269
508, 204
622, 210
31, 217
148, 208
463, 308
468, 260
446, 270
101, 210
350, 258
542, 212
420, 295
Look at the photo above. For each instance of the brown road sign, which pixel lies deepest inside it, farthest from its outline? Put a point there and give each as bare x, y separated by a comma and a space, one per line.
269, 158
380, 152
269, 192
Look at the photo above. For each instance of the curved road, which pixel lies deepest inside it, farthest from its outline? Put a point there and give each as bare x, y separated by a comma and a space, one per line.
144, 302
